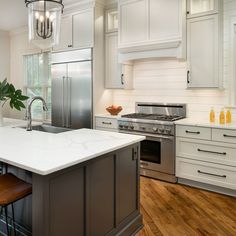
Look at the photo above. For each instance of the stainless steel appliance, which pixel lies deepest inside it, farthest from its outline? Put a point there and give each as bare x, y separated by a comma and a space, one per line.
156, 122
72, 89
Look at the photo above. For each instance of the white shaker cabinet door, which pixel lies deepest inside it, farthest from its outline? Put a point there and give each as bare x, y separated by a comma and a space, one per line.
203, 52
65, 34
196, 8
83, 29
167, 24
113, 69
133, 21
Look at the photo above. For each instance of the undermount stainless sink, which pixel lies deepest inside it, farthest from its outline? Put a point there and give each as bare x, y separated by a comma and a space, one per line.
48, 129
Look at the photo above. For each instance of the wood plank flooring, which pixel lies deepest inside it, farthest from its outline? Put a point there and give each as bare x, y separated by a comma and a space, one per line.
178, 210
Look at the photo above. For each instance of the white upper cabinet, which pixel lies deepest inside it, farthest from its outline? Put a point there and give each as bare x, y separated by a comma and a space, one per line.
151, 25
83, 28
118, 76
111, 20
197, 8
203, 52
65, 34
77, 31
165, 19
133, 21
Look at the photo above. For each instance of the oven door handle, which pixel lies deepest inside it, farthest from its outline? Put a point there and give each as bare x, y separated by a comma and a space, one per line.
151, 137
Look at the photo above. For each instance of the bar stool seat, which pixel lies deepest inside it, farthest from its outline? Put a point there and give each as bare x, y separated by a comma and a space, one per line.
12, 189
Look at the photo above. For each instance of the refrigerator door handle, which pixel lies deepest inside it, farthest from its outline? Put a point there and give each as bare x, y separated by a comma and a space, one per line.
63, 101
69, 102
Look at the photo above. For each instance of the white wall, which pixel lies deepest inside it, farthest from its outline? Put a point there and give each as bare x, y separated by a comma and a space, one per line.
165, 81
4, 55
4, 59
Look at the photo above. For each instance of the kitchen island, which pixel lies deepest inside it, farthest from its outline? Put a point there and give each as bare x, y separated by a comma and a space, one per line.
85, 182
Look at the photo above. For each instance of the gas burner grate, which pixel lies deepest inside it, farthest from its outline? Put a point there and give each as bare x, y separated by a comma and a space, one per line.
152, 117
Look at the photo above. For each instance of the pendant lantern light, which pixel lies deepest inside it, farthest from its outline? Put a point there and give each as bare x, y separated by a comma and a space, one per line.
44, 21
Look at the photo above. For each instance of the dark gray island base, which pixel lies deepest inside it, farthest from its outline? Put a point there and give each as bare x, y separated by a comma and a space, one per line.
95, 198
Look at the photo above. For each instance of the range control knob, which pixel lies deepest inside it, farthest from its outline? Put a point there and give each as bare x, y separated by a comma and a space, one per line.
161, 130
131, 127
142, 128
121, 126
155, 129
168, 131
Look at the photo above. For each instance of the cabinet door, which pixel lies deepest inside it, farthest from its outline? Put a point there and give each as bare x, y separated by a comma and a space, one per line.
100, 196
197, 8
118, 75
133, 21
83, 29
203, 52
127, 187
113, 69
65, 34
167, 23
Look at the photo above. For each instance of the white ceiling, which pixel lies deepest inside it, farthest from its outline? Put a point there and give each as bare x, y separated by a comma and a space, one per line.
13, 13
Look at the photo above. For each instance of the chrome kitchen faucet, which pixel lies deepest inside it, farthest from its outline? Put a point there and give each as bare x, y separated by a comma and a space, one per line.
29, 115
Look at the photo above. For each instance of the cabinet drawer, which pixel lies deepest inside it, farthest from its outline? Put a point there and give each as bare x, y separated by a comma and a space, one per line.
224, 135
206, 151
106, 123
223, 176
193, 132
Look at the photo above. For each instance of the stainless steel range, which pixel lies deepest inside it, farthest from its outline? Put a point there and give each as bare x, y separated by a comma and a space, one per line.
156, 122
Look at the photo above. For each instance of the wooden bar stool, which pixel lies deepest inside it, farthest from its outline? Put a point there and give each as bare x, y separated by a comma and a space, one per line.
12, 189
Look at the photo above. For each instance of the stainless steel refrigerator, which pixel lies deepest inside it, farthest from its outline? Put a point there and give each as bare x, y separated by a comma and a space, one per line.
72, 89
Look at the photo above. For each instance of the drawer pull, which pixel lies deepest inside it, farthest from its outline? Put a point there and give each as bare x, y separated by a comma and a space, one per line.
106, 123
220, 153
206, 173
229, 136
192, 132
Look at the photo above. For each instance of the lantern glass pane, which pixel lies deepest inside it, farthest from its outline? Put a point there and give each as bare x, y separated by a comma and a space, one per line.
44, 23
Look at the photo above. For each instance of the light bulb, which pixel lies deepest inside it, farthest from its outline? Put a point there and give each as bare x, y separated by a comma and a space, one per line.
36, 15
41, 18
47, 14
51, 18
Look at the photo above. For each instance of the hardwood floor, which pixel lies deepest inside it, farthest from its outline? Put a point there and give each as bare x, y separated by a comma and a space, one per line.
178, 210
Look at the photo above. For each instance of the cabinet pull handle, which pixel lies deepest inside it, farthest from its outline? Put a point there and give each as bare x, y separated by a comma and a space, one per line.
106, 123
134, 155
188, 74
122, 79
229, 136
188, 12
70, 46
206, 173
220, 153
192, 132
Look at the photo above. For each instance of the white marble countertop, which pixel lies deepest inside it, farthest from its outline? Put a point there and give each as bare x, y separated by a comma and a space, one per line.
205, 123
45, 153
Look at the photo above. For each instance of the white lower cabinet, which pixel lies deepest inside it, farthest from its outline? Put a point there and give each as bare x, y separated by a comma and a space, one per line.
106, 123
208, 158
209, 173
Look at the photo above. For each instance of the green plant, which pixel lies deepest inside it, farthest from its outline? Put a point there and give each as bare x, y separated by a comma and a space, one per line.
8, 92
